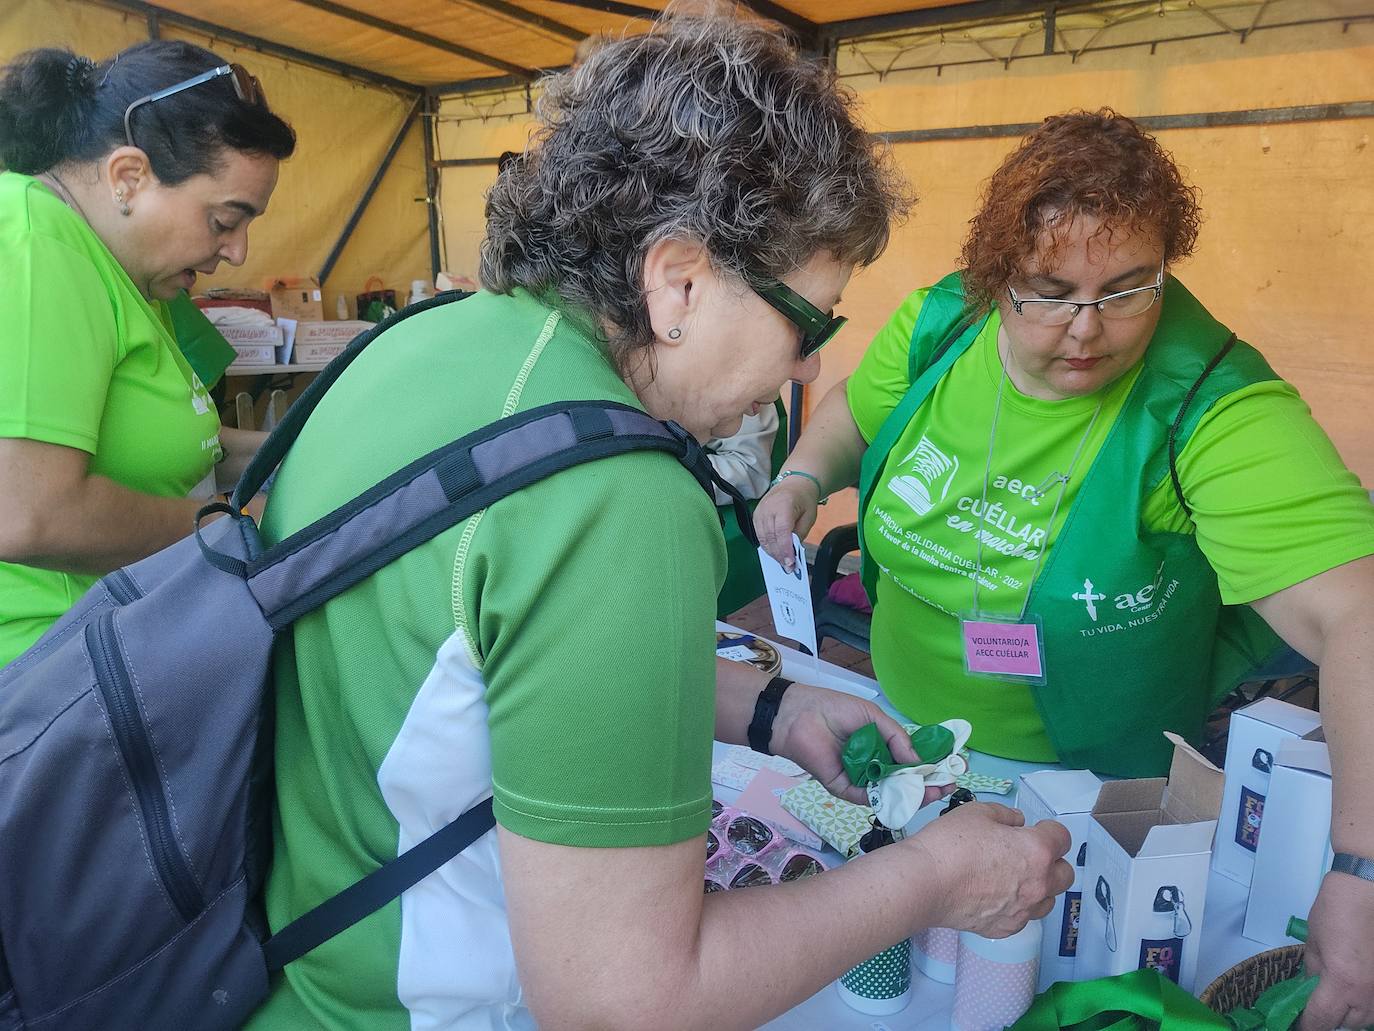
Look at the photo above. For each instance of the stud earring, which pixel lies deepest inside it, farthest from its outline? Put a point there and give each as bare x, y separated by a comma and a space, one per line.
674, 333
124, 209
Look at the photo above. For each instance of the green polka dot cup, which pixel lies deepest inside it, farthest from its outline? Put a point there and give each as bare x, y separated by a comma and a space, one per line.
880, 985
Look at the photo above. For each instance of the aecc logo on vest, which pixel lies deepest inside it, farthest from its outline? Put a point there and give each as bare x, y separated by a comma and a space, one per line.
1136, 605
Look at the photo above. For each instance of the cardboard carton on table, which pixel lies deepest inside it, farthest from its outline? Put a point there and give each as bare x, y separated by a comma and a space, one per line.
1145, 881
324, 341
295, 297
1295, 852
1257, 732
253, 345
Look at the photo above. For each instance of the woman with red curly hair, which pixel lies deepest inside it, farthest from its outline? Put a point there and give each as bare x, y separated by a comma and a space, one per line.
1087, 509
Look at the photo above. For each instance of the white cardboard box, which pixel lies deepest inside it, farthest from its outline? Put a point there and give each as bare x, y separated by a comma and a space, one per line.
1257, 732
1067, 796
1295, 852
1145, 883
253, 355
253, 345
325, 341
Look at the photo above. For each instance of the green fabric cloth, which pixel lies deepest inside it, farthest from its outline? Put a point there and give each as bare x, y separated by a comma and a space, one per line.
1272, 505
1145, 1000
556, 650
202, 345
86, 363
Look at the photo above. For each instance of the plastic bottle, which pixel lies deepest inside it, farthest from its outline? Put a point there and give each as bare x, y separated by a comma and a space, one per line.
419, 290
935, 950
882, 985
341, 308
996, 977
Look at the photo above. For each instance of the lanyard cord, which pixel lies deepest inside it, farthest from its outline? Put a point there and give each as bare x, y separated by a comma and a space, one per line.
1063, 486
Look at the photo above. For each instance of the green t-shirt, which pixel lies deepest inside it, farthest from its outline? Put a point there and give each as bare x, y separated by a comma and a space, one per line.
86, 362
556, 650
1272, 505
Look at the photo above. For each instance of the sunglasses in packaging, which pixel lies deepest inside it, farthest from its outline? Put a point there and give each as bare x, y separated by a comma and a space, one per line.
743, 851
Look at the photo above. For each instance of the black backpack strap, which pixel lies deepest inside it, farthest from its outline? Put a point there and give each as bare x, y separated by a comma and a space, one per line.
279, 441
376, 889
427, 497
1182, 411
448, 485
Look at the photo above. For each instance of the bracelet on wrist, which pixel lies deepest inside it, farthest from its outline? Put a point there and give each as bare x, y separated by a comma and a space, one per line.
820, 491
1356, 866
765, 712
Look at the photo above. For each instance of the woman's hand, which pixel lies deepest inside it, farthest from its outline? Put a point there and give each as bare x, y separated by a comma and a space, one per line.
788, 508
1340, 948
811, 729
997, 874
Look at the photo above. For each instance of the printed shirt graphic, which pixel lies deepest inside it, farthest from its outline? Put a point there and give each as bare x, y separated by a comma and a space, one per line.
555, 651
86, 363
928, 514
1250, 457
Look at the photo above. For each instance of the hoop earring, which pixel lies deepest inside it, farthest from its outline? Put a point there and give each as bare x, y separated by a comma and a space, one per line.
674, 333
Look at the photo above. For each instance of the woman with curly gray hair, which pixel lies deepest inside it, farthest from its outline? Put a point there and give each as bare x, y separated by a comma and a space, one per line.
676, 240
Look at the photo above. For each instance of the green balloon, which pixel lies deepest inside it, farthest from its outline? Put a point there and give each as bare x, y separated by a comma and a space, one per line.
867, 759
933, 743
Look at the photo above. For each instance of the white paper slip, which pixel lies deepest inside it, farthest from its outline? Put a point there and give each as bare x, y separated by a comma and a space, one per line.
736, 653
789, 595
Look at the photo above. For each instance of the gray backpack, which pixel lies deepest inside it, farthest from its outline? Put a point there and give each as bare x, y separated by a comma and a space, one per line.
136, 735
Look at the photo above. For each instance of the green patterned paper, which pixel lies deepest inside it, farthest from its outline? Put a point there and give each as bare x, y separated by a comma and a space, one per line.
841, 824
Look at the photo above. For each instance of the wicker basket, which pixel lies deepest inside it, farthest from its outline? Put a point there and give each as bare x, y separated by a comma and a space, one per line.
1250, 978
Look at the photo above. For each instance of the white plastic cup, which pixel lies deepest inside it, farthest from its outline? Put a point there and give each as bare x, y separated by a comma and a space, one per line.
996, 979
879, 986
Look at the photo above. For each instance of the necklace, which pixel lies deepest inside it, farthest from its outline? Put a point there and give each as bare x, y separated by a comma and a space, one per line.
65, 195
1063, 479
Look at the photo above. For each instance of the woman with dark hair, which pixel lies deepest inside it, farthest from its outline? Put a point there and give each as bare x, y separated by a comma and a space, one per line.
122, 182
674, 240
1060, 449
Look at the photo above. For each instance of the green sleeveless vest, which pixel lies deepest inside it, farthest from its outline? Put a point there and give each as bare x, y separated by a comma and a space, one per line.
1148, 647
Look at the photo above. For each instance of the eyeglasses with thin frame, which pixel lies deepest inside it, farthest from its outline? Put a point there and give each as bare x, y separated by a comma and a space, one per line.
246, 88
1053, 311
817, 327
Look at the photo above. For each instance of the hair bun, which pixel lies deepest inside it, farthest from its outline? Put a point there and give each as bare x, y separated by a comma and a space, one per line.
79, 71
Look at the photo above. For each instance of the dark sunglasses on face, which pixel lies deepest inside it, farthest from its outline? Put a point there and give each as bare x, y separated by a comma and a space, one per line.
816, 326
246, 88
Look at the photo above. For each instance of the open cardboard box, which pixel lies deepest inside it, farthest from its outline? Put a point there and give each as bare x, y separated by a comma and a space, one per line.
1148, 859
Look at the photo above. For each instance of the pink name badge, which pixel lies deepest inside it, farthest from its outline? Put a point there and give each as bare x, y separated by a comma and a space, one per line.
1002, 649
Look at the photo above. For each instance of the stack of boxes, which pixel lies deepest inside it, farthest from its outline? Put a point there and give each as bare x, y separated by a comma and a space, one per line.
305, 337
1278, 780
1143, 849
253, 345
